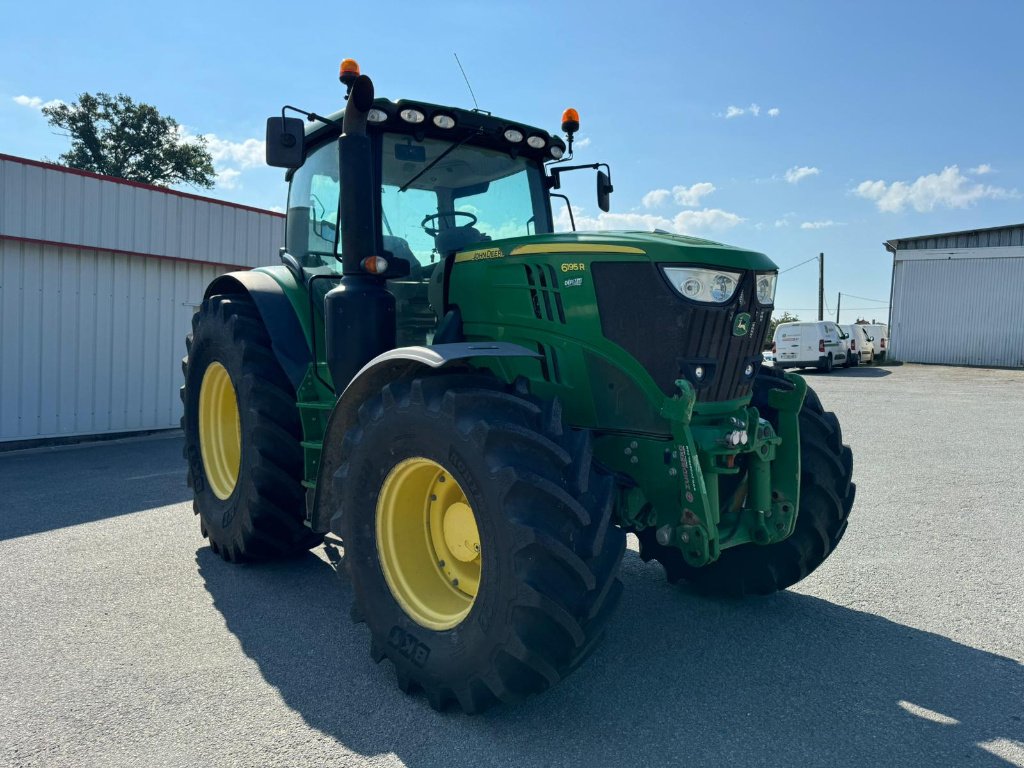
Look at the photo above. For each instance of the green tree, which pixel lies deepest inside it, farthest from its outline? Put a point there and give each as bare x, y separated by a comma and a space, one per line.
785, 317
116, 136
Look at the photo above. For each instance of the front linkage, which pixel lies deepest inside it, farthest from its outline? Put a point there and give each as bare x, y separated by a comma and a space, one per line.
729, 476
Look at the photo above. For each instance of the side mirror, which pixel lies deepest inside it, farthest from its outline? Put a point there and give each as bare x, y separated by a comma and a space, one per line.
604, 189
286, 142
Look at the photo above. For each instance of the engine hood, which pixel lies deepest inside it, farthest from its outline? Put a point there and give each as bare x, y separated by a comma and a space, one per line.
660, 247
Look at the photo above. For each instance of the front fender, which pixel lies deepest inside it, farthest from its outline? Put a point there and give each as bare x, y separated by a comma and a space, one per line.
404, 362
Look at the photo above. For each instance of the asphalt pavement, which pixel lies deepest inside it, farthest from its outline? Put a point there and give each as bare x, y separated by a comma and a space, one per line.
125, 641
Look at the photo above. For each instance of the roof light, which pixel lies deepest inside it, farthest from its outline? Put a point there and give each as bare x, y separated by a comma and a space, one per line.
348, 71
570, 120
412, 116
557, 152
537, 142
511, 134
376, 115
444, 121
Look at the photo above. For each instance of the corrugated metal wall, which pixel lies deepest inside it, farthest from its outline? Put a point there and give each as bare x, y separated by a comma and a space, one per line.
958, 311
98, 283
46, 203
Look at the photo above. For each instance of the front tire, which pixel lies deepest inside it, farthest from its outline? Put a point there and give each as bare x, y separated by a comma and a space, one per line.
242, 436
826, 498
537, 599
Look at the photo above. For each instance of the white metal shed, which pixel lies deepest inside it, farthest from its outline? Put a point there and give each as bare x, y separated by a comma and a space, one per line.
99, 278
958, 298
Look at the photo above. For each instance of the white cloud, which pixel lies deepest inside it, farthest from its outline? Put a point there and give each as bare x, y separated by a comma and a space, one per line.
779, 223
684, 222
704, 220
948, 189
227, 178
754, 110
34, 102
248, 153
821, 224
796, 173
655, 197
982, 169
690, 196
582, 143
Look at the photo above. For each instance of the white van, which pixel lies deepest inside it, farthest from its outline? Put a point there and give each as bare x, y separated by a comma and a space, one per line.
880, 332
862, 349
819, 344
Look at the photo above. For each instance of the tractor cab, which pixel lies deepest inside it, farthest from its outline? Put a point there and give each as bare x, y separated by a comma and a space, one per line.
455, 185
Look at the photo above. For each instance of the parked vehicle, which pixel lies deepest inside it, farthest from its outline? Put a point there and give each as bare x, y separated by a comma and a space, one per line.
862, 348
821, 344
880, 333
480, 409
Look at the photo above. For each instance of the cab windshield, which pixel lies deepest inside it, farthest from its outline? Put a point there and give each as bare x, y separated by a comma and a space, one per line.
436, 198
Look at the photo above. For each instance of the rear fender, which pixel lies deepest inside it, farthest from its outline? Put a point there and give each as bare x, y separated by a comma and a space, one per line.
401, 363
287, 337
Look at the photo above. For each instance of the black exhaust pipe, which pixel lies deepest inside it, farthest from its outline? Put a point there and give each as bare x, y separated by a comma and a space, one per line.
359, 313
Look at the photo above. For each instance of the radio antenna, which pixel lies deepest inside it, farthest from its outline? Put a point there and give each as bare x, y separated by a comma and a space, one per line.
464, 77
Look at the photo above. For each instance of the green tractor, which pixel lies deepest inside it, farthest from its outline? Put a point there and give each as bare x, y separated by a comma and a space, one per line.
481, 408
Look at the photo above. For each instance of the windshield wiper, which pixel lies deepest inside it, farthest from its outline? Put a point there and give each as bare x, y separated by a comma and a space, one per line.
438, 159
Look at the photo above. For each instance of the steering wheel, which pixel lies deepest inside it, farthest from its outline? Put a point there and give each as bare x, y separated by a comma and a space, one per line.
433, 231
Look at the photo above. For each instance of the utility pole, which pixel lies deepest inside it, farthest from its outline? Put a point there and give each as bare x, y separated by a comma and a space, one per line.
839, 303
821, 286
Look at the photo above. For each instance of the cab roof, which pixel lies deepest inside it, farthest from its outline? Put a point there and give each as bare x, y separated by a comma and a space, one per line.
486, 130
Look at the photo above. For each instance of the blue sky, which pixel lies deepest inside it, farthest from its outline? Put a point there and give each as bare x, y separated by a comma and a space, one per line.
786, 127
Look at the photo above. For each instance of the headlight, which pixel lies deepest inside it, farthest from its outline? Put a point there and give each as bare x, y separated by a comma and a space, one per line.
412, 116
707, 285
766, 286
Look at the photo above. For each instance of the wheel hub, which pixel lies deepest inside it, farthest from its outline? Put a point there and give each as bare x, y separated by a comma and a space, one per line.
460, 534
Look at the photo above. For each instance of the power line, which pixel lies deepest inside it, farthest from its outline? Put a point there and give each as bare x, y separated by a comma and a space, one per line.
815, 309
865, 298
787, 269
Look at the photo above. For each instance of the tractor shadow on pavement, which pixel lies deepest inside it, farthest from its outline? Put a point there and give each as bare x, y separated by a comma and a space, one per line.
681, 680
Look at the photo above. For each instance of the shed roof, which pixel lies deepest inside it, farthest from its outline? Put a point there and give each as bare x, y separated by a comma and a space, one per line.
988, 237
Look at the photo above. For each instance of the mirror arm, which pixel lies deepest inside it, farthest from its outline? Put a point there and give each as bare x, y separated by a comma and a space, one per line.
312, 117
554, 181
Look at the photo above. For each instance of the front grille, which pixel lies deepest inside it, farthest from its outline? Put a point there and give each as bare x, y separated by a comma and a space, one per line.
671, 337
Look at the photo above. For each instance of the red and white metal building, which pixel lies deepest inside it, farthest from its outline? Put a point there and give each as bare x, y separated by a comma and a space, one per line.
99, 278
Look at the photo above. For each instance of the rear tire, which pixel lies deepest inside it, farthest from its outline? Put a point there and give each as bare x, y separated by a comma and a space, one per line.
253, 509
549, 554
829, 364
826, 498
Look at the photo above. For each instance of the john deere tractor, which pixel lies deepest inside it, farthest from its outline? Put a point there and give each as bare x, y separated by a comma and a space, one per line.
481, 408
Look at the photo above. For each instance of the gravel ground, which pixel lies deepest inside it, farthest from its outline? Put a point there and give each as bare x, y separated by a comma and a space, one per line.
126, 642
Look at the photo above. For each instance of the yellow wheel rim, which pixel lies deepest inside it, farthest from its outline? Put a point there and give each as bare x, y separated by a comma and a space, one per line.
428, 543
220, 430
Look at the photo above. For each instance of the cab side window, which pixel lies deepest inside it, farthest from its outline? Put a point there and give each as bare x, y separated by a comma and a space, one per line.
313, 198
